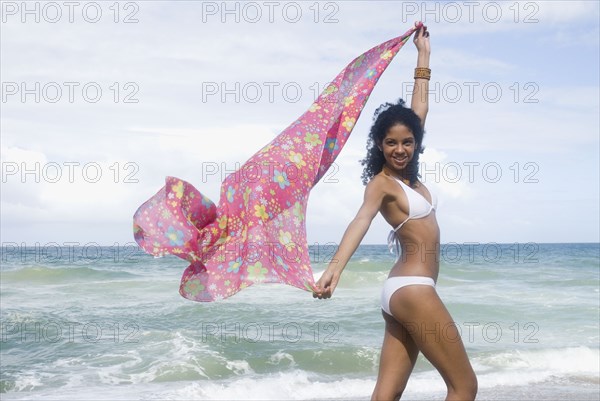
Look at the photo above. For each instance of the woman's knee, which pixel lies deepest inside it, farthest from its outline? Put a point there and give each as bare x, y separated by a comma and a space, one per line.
472, 385
467, 390
380, 395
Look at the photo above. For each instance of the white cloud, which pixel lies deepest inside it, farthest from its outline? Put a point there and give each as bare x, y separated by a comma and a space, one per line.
566, 11
445, 178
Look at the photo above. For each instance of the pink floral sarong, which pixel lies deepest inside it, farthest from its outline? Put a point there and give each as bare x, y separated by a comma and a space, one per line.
257, 233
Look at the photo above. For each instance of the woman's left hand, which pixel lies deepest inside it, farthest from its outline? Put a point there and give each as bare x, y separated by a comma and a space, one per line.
421, 38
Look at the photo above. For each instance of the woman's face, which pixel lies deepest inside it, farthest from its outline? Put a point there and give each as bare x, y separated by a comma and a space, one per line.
398, 147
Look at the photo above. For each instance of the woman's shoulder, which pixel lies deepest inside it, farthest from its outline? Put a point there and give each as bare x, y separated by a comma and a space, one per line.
380, 182
378, 179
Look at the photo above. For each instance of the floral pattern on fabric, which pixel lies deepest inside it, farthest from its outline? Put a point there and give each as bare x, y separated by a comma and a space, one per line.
258, 233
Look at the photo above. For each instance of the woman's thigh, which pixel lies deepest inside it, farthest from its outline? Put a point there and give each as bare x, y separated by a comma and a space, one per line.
422, 313
398, 356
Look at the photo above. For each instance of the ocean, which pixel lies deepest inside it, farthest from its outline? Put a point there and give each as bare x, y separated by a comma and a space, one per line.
108, 323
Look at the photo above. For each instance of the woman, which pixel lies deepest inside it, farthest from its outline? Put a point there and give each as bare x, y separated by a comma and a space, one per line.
415, 317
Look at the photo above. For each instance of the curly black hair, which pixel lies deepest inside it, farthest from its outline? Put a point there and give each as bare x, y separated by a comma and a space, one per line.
386, 116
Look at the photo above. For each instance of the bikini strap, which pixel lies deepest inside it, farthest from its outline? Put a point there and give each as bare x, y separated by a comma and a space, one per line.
394, 243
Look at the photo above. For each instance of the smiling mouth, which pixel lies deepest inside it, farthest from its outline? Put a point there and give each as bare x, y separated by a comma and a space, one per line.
400, 159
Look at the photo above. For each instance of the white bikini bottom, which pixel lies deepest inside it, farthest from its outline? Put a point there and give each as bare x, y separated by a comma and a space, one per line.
393, 284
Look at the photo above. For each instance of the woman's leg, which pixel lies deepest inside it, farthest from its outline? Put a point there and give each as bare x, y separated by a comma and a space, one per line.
398, 356
421, 312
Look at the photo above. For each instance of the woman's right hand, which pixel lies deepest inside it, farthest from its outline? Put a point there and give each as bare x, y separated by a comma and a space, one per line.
327, 283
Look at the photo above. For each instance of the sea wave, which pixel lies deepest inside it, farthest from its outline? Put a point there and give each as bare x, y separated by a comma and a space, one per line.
57, 275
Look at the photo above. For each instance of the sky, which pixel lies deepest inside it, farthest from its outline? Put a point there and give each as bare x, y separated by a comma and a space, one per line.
102, 100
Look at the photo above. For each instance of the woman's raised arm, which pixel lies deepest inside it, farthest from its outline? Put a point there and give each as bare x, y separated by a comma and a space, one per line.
420, 97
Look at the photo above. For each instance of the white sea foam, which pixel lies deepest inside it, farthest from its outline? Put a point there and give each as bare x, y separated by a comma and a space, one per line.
565, 361
295, 385
279, 357
498, 373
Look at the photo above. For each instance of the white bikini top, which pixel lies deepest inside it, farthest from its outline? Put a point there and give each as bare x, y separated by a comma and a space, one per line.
418, 207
